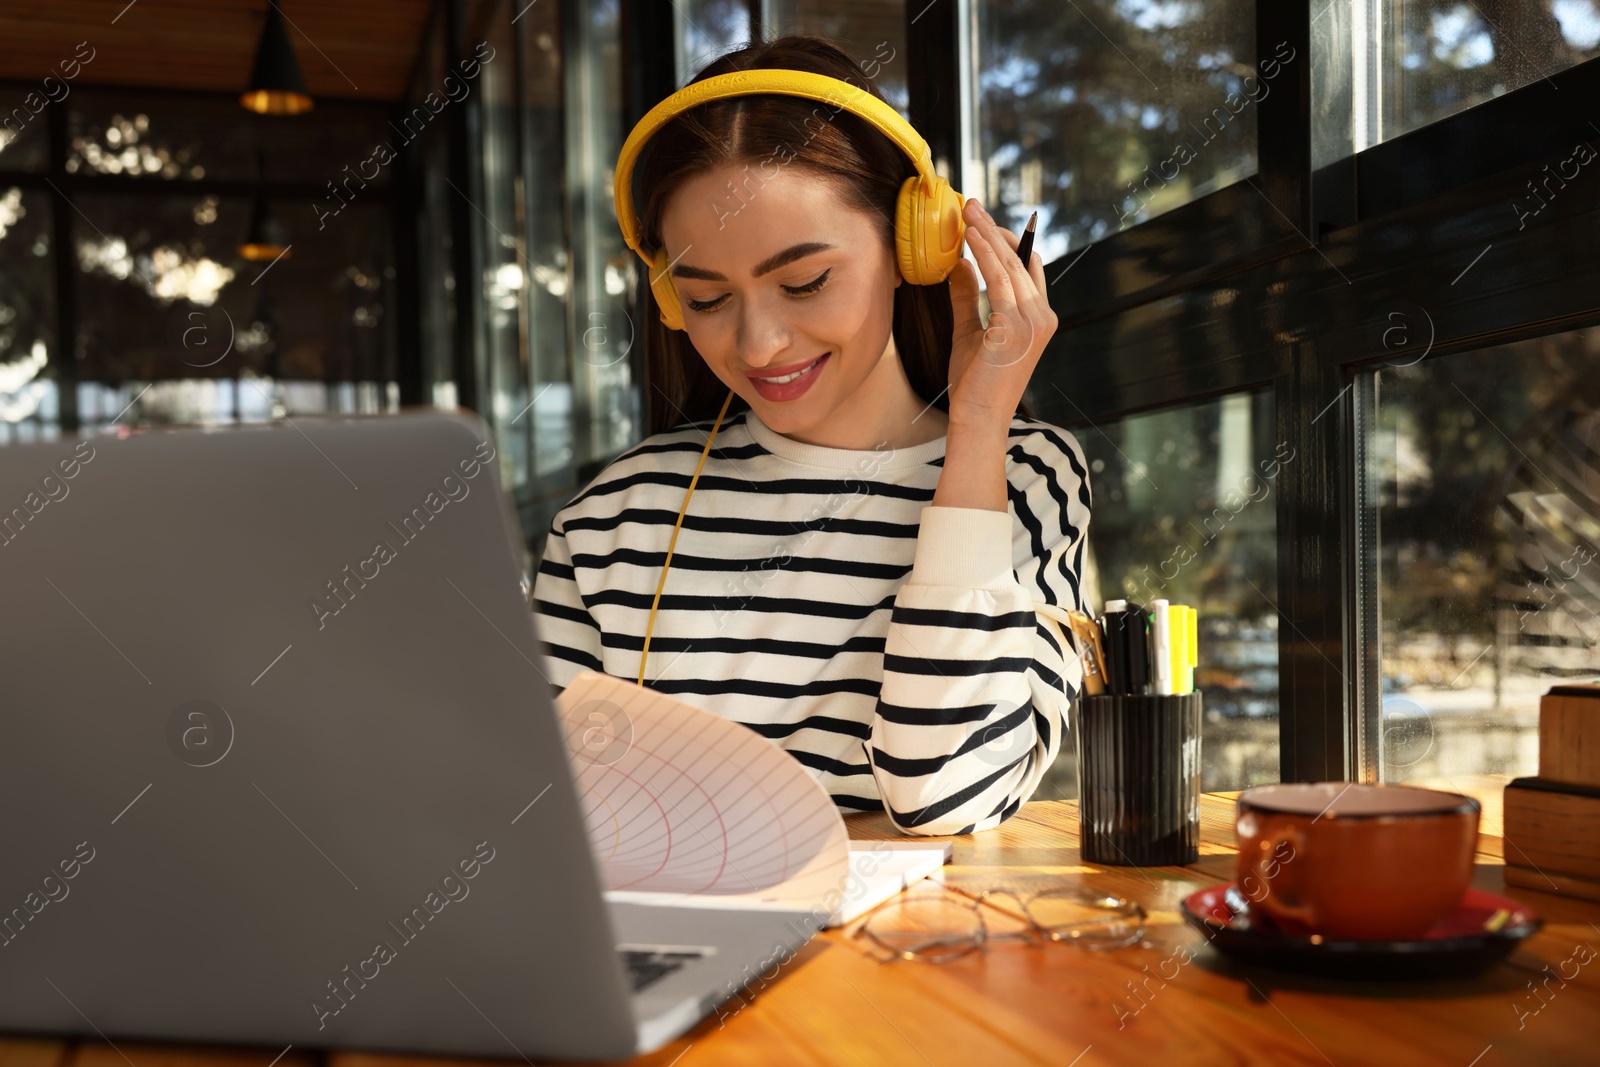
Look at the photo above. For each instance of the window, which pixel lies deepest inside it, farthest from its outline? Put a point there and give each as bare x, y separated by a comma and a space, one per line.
29, 402
501, 346
608, 413
164, 298
706, 30
873, 32
161, 321
1485, 478
1185, 510
436, 243
549, 422
24, 133
1385, 67
1101, 114
1339, 159
192, 137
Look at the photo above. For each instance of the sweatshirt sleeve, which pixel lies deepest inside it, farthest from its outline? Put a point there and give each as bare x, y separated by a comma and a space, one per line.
568, 633
977, 672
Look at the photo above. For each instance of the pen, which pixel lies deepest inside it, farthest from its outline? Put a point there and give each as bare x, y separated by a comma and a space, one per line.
1094, 654
1160, 648
1025, 247
1136, 633
1116, 661
1178, 646
1194, 645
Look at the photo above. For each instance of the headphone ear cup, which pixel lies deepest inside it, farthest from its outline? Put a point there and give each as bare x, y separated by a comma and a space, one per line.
665, 292
928, 229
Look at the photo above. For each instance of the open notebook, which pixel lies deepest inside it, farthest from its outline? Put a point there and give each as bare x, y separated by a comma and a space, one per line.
685, 806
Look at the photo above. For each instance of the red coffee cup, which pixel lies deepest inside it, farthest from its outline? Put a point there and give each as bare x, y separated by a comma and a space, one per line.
1356, 862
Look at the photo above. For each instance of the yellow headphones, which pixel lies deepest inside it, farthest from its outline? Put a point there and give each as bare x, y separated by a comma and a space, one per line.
928, 227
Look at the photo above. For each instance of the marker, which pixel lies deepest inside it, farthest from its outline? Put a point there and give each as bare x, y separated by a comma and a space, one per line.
1136, 631
1178, 638
1194, 645
1160, 649
1116, 661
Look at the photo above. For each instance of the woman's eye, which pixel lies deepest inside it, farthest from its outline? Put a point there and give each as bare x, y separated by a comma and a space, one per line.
801, 290
695, 305
810, 287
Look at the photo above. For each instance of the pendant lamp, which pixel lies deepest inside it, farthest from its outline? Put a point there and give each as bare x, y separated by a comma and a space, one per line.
265, 238
276, 87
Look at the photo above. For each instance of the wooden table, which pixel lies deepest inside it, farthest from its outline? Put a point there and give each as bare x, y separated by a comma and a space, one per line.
1065, 1007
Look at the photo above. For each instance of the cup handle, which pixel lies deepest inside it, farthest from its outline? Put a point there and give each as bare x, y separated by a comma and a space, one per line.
1278, 877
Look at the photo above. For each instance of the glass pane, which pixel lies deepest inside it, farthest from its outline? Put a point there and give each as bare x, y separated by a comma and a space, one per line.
1384, 67
24, 137
873, 32
607, 399
1184, 511
503, 370
164, 298
549, 421
436, 280
1488, 500
191, 136
708, 29
29, 408
1100, 114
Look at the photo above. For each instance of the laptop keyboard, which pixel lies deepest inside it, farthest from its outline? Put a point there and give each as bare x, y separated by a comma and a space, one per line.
647, 965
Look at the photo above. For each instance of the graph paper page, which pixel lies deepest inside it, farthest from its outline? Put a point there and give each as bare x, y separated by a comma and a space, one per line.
682, 803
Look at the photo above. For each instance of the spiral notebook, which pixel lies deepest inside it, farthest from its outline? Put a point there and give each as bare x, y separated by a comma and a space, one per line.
683, 806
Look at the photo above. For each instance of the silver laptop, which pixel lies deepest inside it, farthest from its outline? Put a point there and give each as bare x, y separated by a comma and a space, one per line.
281, 766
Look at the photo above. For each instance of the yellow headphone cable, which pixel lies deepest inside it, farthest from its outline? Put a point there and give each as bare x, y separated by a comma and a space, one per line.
649, 626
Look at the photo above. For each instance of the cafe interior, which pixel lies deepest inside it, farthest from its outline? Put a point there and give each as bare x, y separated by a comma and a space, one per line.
1327, 275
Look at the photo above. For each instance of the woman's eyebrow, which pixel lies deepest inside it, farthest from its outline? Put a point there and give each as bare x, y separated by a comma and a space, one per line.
766, 266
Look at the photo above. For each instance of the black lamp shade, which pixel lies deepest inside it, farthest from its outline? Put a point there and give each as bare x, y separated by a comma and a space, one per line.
276, 87
265, 238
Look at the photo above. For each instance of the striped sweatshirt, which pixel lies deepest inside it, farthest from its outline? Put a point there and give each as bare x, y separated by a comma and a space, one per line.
914, 658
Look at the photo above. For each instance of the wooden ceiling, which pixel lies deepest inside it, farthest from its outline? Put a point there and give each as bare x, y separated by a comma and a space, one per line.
360, 49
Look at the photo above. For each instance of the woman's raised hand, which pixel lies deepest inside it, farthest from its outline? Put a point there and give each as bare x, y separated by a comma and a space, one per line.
990, 364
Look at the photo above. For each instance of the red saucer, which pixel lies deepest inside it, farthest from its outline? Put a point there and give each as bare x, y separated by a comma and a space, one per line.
1483, 930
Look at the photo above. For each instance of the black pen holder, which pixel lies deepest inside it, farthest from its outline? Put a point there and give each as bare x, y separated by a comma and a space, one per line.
1139, 779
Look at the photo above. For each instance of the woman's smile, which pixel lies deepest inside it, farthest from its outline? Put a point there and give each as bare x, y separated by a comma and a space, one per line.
792, 385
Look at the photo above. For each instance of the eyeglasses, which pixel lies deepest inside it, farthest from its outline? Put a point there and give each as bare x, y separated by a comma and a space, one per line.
938, 923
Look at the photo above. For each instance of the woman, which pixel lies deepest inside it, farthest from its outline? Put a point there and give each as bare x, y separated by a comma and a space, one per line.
871, 567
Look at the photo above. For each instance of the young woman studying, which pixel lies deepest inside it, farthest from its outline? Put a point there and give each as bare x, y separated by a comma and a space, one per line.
846, 530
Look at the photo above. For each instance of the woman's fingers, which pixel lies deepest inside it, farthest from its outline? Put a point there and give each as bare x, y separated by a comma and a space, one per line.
981, 239
963, 280
1024, 286
1016, 290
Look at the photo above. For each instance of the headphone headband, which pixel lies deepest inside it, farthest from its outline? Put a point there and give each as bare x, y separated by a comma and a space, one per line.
820, 87
928, 227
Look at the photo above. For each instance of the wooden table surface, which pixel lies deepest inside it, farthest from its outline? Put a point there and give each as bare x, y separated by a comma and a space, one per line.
1060, 1006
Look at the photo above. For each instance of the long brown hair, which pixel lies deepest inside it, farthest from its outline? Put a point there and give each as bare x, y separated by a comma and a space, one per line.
853, 155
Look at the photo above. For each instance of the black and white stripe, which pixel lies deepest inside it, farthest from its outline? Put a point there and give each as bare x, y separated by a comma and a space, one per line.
790, 607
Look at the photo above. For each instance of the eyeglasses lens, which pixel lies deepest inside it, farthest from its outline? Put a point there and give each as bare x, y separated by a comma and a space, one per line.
1092, 922
930, 926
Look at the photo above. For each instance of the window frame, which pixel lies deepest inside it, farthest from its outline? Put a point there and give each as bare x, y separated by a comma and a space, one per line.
54, 180
1441, 191
1277, 286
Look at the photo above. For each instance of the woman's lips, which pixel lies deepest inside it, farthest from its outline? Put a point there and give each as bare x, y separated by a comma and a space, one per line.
793, 389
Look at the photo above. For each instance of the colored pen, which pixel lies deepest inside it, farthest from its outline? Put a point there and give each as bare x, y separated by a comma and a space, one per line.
1136, 624
1178, 642
1087, 631
1160, 648
1025, 246
1194, 645
1116, 662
